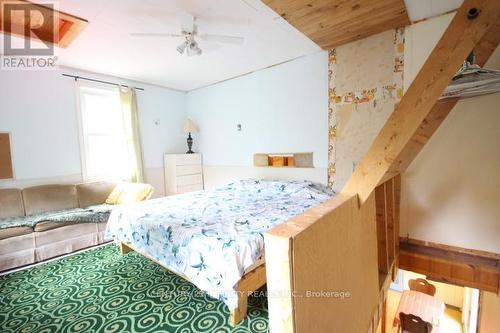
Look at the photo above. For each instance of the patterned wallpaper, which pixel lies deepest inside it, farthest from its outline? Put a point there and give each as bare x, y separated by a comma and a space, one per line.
365, 83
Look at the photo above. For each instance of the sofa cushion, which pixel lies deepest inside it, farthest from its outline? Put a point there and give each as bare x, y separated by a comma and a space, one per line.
48, 198
13, 232
48, 225
11, 203
93, 193
65, 233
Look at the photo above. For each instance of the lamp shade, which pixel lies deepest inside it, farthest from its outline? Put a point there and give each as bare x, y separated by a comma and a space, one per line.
190, 127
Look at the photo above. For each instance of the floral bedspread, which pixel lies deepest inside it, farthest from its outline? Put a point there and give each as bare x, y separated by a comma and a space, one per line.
211, 237
93, 214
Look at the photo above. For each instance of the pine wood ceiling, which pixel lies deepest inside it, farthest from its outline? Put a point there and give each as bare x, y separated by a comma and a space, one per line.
330, 23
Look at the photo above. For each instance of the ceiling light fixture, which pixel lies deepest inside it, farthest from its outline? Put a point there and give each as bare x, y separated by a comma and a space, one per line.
189, 46
181, 48
189, 31
193, 49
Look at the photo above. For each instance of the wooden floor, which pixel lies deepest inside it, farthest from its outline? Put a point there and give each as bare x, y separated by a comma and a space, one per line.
451, 323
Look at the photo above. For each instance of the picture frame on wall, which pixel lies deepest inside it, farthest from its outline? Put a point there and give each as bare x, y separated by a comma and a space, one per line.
6, 165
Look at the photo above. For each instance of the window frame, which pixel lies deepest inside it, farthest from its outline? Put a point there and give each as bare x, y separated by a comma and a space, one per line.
83, 136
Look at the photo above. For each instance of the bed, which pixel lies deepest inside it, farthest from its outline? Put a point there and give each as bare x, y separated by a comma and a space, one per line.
214, 238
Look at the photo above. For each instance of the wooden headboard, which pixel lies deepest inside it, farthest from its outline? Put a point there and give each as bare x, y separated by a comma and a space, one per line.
6, 170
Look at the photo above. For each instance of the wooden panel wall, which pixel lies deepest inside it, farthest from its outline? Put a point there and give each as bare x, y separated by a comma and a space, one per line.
6, 170
451, 264
331, 248
330, 23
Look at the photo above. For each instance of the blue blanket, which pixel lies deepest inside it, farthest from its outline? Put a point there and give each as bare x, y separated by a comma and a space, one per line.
211, 237
93, 214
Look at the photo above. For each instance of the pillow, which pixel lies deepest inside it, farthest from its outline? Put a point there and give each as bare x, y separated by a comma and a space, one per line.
129, 192
115, 194
135, 192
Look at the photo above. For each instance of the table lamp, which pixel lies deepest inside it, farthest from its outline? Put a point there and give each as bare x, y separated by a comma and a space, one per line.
190, 127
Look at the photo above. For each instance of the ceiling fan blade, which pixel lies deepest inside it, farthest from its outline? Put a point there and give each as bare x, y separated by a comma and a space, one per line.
222, 39
153, 34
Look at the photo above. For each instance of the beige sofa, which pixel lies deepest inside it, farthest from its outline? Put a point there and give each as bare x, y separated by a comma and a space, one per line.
23, 245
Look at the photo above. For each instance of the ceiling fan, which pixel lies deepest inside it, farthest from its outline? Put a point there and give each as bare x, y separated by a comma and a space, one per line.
189, 31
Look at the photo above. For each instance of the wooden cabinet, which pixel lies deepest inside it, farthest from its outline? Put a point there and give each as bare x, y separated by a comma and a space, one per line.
183, 173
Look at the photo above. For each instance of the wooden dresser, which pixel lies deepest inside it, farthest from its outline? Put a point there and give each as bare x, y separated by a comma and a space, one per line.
183, 173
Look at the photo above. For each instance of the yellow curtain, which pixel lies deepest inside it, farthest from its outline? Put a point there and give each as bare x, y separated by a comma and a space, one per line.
131, 123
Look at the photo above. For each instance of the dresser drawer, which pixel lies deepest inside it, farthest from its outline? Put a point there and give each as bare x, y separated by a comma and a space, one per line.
188, 159
183, 170
189, 180
189, 188
183, 173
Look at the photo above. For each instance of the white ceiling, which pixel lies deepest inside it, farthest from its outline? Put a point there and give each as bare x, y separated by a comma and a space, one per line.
106, 47
421, 9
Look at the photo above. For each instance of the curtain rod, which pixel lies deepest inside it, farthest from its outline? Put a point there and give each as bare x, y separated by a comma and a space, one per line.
76, 77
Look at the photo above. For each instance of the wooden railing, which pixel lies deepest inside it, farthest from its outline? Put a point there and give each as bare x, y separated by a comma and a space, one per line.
387, 202
322, 271
337, 258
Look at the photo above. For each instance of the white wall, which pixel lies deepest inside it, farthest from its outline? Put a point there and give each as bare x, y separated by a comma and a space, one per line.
281, 109
451, 191
38, 108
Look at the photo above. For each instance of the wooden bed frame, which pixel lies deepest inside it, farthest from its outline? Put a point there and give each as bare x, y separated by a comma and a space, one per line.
249, 283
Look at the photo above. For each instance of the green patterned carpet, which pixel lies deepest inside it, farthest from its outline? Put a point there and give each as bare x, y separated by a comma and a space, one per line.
102, 291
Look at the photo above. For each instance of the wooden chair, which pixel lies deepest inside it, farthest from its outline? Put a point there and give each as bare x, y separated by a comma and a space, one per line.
409, 323
422, 286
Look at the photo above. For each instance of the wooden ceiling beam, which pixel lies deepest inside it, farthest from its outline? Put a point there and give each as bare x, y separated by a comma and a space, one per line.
488, 44
330, 23
459, 39
483, 51
423, 134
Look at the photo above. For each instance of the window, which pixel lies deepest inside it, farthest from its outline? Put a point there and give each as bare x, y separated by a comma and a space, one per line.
104, 146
